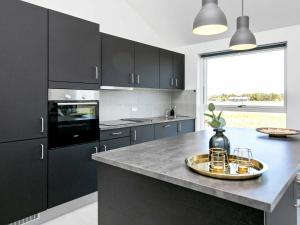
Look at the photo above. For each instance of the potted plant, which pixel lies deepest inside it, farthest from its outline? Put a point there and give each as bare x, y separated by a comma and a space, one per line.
219, 140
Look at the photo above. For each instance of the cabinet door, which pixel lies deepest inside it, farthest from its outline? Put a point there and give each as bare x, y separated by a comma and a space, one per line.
117, 61
146, 66
186, 126
71, 173
142, 134
114, 143
165, 130
73, 49
178, 70
23, 71
23, 175
166, 69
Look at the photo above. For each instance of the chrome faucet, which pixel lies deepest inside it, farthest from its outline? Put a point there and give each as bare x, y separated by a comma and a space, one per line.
167, 113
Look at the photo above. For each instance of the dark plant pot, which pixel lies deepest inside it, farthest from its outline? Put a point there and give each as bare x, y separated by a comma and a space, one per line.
219, 140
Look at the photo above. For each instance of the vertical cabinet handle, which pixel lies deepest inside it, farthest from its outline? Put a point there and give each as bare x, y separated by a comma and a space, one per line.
42, 151
138, 79
176, 82
96, 149
131, 78
42, 124
97, 72
105, 148
134, 135
172, 82
179, 127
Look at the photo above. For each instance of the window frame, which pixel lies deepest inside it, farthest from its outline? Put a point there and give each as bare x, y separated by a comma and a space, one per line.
245, 108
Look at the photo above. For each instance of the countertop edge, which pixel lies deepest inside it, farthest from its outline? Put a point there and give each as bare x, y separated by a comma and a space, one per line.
264, 206
183, 118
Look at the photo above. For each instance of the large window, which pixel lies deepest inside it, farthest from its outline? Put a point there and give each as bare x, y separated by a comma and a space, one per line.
249, 87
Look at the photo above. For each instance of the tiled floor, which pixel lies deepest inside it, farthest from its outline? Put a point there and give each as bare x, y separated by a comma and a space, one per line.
87, 215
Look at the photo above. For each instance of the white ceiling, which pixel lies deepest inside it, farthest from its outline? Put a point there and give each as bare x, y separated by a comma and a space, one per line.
172, 20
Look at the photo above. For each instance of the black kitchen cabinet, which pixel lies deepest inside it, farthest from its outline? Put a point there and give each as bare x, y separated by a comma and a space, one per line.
23, 175
23, 71
166, 69
114, 143
117, 61
164, 130
142, 134
114, 133
178, 70
186, 126
71, 173
146, 66
73, 51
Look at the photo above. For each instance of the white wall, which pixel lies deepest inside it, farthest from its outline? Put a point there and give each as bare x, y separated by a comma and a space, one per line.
194, 68
115, 17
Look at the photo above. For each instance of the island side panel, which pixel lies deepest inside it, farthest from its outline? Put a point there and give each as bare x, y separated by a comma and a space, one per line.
127, 198
285, 212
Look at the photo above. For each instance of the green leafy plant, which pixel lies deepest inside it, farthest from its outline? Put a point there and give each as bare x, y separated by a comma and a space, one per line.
217, 121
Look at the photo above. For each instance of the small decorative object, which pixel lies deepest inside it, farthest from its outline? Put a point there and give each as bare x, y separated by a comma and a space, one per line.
201, 164
218, 158
243, 160
277, 132
219, 140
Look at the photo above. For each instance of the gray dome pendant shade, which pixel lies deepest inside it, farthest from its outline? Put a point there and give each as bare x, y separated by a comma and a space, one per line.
243, 39
210, 20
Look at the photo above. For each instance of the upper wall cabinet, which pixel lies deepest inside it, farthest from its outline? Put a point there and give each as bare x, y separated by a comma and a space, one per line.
178, 70
23, 71
166, 69
146, 66
117, 61
172, 70
73, 52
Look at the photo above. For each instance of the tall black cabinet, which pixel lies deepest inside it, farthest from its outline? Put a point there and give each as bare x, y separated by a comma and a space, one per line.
23, 71
23, 176
23, 112
73, 52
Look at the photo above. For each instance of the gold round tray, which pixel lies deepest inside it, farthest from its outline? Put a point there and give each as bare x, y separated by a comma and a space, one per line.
201, 165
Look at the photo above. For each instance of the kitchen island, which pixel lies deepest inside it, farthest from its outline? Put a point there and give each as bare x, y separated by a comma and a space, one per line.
149, 184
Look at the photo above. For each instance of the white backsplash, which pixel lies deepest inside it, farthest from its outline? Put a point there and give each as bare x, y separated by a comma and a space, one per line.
118, 104
185, 102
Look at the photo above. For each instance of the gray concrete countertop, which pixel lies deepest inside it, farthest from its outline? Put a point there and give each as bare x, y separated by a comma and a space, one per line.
165, 160
154, 120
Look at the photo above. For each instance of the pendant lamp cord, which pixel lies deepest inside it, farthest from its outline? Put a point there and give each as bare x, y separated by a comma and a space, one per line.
242, 7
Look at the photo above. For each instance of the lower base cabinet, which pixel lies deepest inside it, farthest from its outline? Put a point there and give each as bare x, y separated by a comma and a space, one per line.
164, 130
114, 143
186, 126
23, 176
71, 173
142, 134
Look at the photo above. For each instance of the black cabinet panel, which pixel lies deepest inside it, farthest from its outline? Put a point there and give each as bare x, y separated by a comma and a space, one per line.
178, 70
186, 126
23, 70
73, 49
166, 69
146, 66
114, 143
23, 175
164, 130
71, 173
117, 61
115, 133
142, 134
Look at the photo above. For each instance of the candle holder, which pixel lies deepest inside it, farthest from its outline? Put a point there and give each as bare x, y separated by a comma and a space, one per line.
243, 160
218, 158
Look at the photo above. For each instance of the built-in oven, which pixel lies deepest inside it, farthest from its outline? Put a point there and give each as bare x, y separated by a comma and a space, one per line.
73, 117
